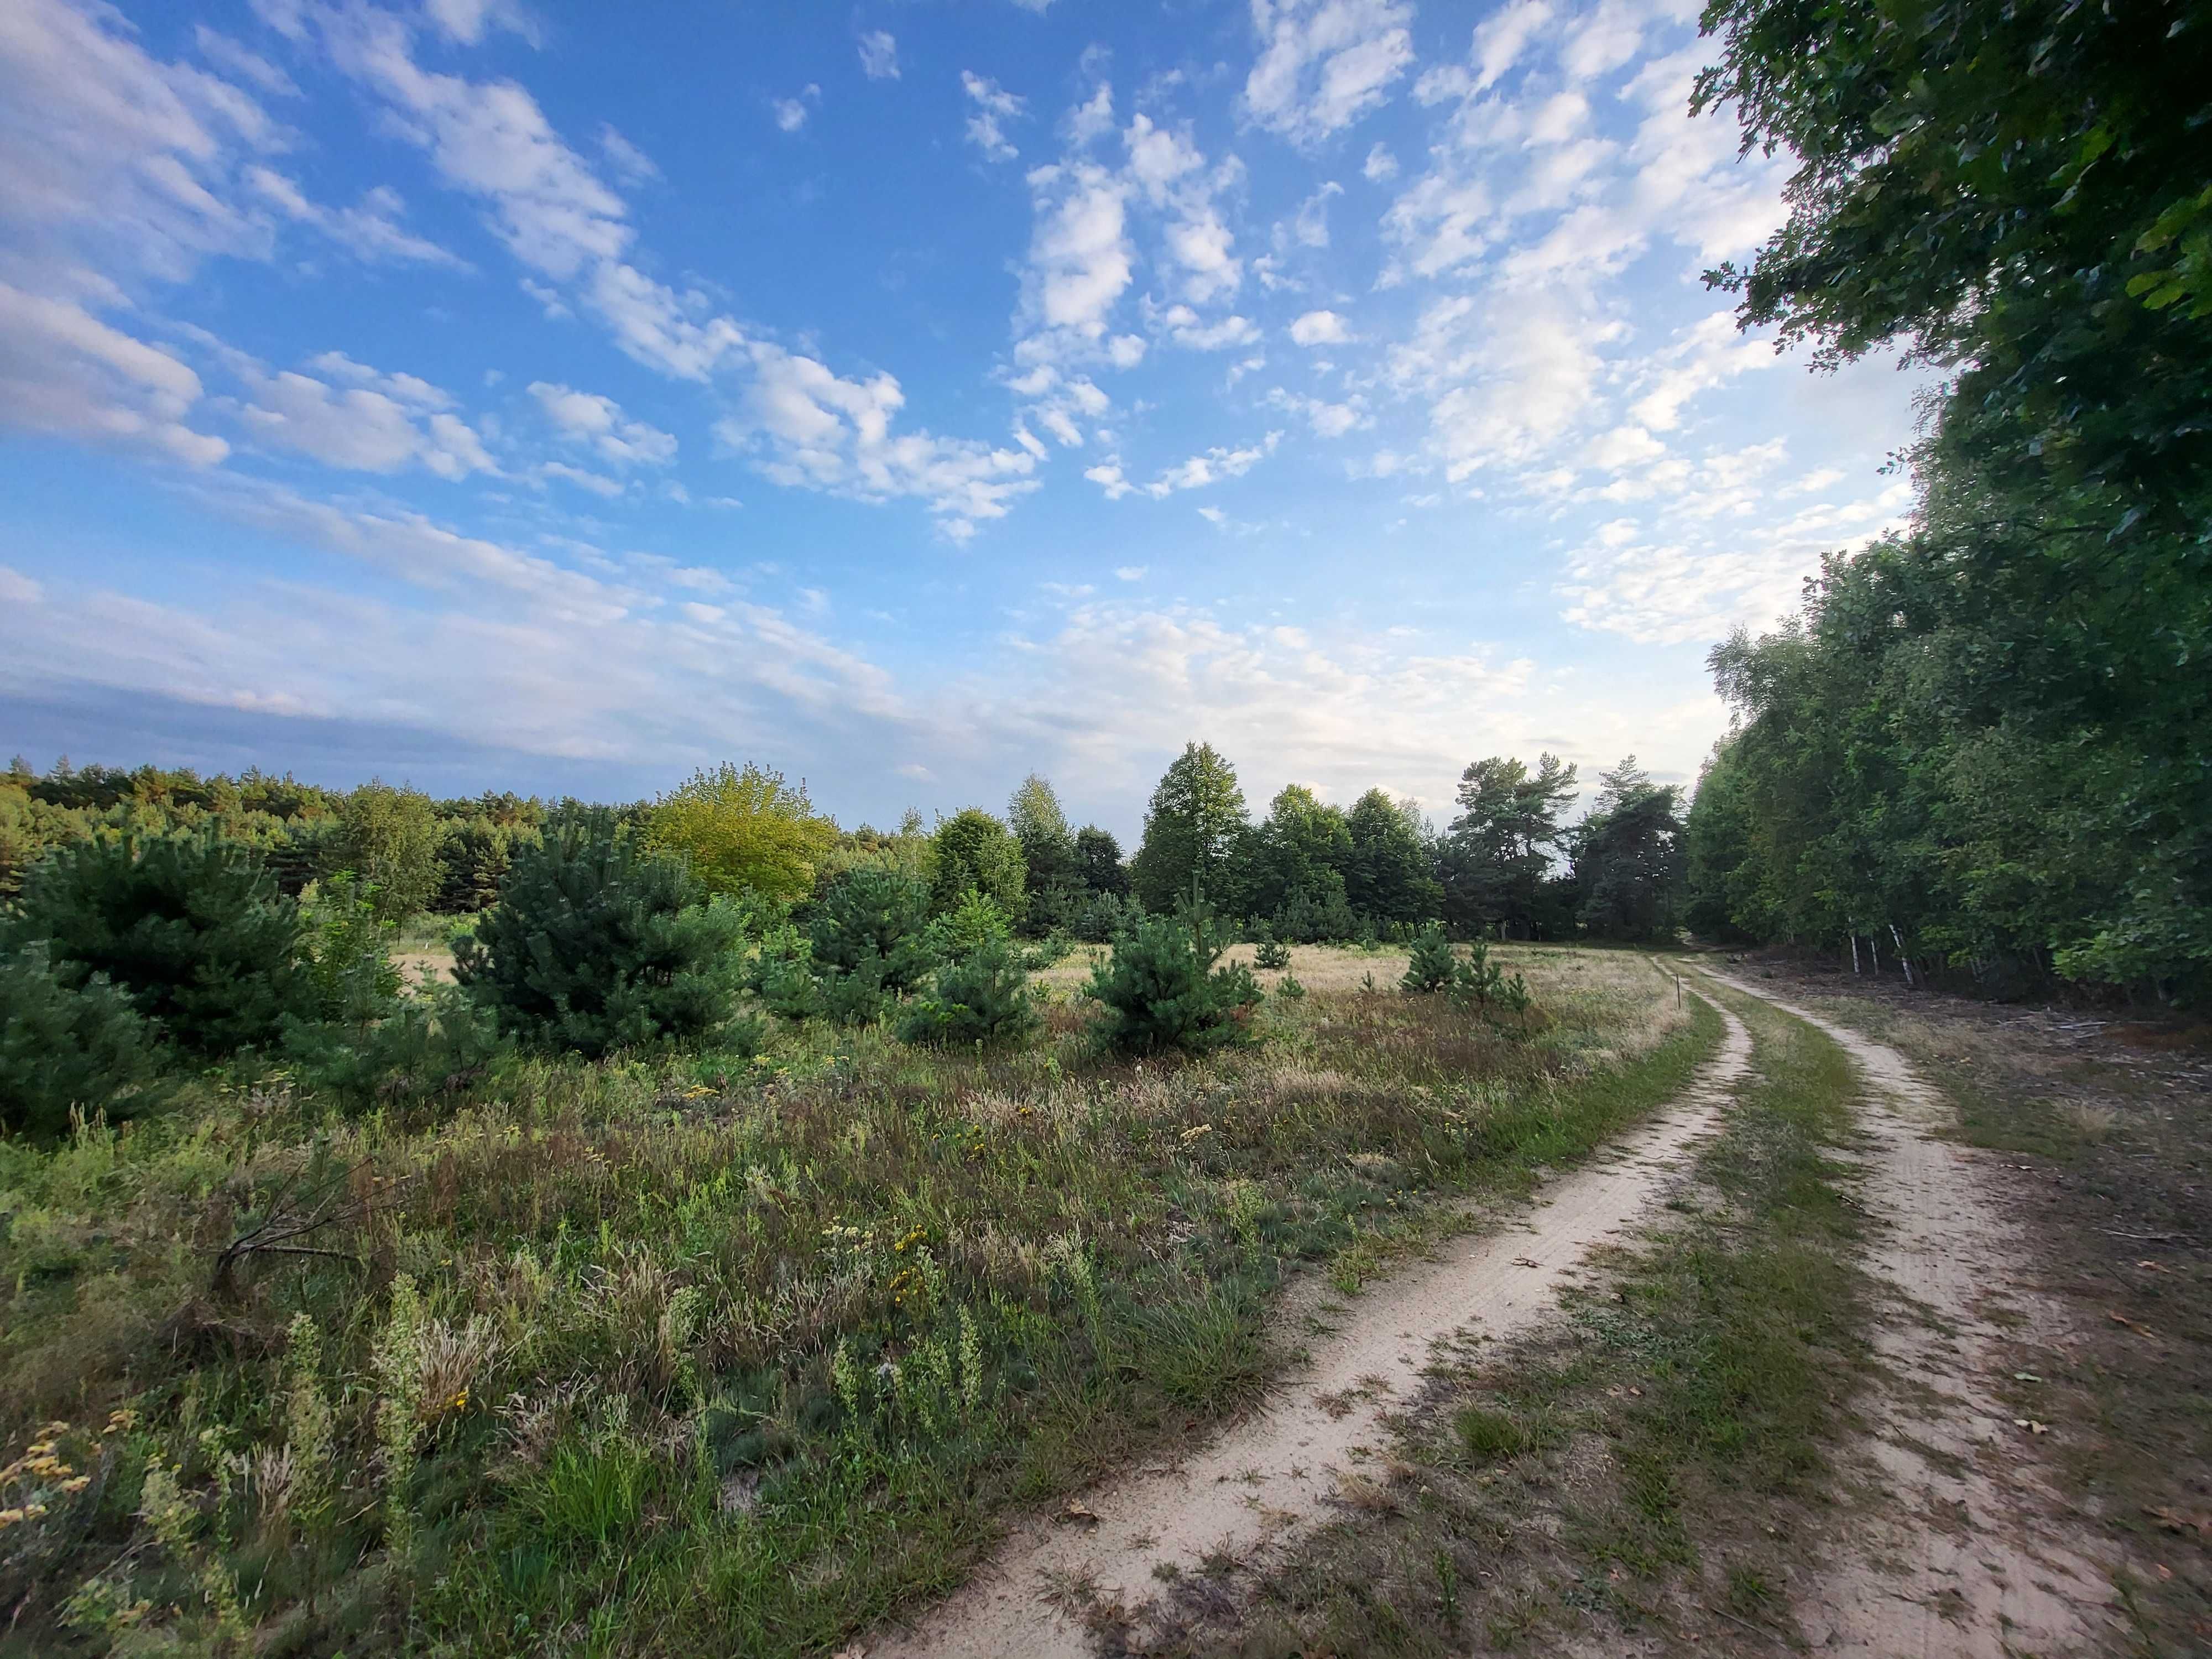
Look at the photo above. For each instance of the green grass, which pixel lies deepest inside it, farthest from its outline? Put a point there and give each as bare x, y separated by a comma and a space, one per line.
737, 1358
1649, 1457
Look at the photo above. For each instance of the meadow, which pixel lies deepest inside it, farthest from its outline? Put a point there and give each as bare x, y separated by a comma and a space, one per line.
739, 1352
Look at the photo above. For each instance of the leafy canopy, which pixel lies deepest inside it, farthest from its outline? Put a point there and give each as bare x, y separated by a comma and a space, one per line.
744, 830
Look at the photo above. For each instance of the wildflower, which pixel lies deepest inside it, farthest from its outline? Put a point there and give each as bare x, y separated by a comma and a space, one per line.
1196, 1133
76, 1483
120, 1420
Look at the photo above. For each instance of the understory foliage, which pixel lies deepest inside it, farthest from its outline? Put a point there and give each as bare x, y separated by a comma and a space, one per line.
600, 943
745, 831
983, 997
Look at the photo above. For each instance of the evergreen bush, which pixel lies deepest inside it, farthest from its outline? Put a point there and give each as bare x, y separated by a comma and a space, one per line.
191, 928
434, 1042
1271, 953
873, 913
1161, 990
1433, 965
63, 1045
983, 997
598, 943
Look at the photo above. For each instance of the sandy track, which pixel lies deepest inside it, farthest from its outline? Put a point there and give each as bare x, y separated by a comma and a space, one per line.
1977, 1556
1283, 1466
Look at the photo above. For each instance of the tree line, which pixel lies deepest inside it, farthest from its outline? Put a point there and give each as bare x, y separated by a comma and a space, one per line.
1984, 746
1509, 863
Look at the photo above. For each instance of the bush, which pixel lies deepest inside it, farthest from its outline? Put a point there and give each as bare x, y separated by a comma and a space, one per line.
346, 951
191, 928
599, 942
1104, 917
1161, 990
390, 839
854, 998
983, 996
1479, 978
1433, 965
1271, 954
417, 1047
975, 923
873, 914
63, 1046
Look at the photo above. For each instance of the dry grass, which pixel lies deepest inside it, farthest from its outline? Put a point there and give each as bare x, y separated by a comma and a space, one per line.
887, 1291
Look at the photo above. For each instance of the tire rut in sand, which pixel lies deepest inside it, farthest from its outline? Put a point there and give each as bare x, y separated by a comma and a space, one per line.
1282, 1468
1977, 1556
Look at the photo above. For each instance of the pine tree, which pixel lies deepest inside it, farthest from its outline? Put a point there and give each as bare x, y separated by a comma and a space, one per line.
599, 942
191, 928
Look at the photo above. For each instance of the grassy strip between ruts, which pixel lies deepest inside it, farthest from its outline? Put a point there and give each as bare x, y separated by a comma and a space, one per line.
737, 1368
1642, 1468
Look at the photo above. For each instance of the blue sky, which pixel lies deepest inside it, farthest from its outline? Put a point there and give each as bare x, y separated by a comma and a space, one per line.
908, 395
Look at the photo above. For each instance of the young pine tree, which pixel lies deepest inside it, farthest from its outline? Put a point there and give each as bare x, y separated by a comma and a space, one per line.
598, 943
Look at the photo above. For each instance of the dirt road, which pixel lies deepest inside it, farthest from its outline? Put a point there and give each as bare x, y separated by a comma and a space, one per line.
1974, 1554
1278, 1468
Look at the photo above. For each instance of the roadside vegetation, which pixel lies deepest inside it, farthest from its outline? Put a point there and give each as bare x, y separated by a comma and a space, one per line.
1660, 1464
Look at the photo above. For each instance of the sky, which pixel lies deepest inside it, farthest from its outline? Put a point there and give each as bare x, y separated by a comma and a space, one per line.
906, 395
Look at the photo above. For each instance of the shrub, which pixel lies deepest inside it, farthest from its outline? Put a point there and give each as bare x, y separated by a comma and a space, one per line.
390, 839
983, 996
1433, 965
63, 1046
853, 998
781, 975
346, 951
599, 942
873, 913
1271, 954
975, 923
1161, 990
191, 928
1104, 917
744, 830
1478, 977
436, 1042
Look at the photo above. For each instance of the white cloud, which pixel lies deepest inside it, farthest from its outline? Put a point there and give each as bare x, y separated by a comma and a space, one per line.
1327, 419
1131, 572
466, 21
1324, 63
1381, 165
1310, 228
1501, 38
993, 104
1080, 259
1183, 328
597, 483
626, 158
791, 112
1319, 328
236, 61
370, 230
64, 372
363, 428
810, 428
879, 56
1211, 467
490, 140
599, 422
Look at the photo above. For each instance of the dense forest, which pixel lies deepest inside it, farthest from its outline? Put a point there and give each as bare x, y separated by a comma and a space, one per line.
1985, 745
